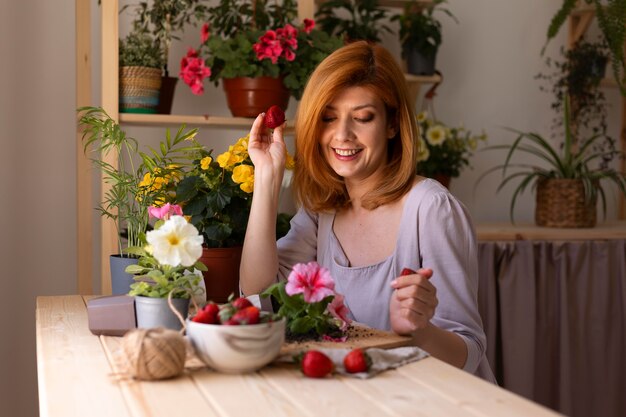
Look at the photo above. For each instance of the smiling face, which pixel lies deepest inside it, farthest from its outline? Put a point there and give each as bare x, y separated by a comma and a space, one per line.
354, 135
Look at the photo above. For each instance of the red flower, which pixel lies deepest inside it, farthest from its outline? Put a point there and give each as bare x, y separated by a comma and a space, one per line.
204, 33
193, 71
308, 25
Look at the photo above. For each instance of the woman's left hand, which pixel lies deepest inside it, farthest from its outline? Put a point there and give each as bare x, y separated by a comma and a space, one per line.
413, 302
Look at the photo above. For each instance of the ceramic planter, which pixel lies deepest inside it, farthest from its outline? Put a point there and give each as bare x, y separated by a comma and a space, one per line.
155, 312
418, 63
248, 97
120, 280
222, 275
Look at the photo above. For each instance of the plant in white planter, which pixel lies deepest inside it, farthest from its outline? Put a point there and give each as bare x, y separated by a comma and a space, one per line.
168, 263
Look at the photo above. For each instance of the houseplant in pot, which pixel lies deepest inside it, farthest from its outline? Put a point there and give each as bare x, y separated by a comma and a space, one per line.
164, 20
140, 73
353, 20
420, 35
444, 151
135, 180
167, 267
568, 180
258, 51
217, 193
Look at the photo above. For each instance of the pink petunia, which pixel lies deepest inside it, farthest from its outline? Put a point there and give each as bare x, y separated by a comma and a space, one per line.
164, 212
338, 309
311, 280
308, 25
204, 33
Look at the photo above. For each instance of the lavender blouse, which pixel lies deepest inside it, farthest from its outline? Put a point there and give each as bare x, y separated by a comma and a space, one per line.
435, 232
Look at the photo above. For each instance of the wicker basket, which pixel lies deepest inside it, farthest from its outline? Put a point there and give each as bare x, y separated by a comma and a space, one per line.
561, 203
139, 89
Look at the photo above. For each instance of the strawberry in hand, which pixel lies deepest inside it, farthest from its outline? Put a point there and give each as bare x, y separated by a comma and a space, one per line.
274, 117
357, 361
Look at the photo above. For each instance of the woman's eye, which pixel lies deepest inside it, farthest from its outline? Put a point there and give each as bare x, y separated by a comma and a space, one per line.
327, 119
365, 119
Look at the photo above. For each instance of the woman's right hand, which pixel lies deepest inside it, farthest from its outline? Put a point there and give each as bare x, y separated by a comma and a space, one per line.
267, 149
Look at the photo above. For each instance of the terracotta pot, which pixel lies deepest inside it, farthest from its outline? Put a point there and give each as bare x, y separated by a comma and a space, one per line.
247, 97
222, 275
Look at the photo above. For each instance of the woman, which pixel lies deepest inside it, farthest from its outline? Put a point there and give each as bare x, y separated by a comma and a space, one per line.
364, 214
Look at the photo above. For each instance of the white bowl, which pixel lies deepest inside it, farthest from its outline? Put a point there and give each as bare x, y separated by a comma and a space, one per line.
237, 349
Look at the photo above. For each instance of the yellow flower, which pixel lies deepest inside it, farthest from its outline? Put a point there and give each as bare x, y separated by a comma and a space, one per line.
422, 152
224, 159
244, 176
290, 163
205, 162
436, 135
472, 143
422, 116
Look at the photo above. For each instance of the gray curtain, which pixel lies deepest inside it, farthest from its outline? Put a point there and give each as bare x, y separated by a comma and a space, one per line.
555, 317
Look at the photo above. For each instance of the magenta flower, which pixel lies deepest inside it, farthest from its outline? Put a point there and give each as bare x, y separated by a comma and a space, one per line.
339, 310
164, 212
308, 25
311, 280
193, 71
204, 33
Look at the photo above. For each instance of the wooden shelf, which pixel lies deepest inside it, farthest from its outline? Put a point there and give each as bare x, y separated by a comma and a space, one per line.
520, 231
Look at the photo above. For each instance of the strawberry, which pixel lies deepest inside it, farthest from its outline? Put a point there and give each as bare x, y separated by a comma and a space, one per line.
357, 361
208, 314
407, 271
248, 315
274, 117
241, 303
316, 365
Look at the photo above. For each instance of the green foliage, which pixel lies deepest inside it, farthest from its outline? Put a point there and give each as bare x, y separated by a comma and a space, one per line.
364, 21
231, 17
611, 15
449, 155
131, 187
420, 29
574, 161
164, 19
157, 281
139, 49
229, 54
303, 319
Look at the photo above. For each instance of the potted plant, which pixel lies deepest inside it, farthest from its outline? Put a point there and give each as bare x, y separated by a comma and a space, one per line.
420, 35
140, 73
364, 19
164, 20
567, 189
256, 50
166, 268
217, 193
132, 187
444, 151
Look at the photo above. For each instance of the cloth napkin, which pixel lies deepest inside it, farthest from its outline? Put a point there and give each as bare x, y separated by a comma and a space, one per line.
382, 359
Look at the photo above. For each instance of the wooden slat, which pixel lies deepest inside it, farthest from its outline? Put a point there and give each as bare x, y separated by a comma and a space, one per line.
176, 397
110, 99
73, 373
470, 393
507, 231
84, 187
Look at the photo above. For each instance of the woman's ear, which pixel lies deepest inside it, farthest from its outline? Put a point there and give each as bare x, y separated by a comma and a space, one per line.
391, 131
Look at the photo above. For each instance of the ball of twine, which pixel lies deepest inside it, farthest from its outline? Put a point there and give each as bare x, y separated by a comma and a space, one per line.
153, 354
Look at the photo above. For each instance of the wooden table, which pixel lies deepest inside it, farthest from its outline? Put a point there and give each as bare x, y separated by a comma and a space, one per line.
74, 373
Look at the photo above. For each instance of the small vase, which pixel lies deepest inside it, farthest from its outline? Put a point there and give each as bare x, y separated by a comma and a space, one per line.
418, 63
248, 97
120, 280
222, 275
156, 312
166, 95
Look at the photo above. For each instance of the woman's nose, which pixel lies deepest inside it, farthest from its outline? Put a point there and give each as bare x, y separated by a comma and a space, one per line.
344, 130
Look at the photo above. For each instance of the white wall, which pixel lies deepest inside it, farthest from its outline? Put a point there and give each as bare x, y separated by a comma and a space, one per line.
488, 61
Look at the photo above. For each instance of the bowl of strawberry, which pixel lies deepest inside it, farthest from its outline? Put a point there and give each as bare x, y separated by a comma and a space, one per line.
235, 337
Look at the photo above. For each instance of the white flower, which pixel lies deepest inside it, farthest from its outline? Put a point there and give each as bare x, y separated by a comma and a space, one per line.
423, 152
422, 116
436, 135
176, 242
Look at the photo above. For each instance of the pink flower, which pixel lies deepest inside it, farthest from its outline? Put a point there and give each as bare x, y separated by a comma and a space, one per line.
338, 309
308, 25
193, 71
204, 33
164, 212
311, 280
